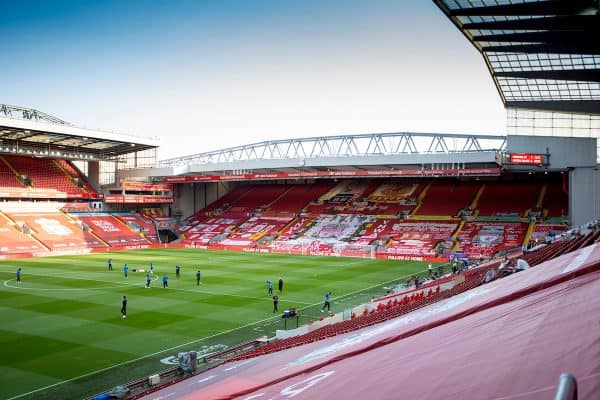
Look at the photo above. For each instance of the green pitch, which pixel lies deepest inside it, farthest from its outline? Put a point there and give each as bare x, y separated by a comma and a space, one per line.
62, 335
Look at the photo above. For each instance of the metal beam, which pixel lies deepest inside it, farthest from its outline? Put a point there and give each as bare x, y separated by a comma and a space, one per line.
588, 47
533, 8
561, 38
574, 106
582, 75
366, 145
559, 23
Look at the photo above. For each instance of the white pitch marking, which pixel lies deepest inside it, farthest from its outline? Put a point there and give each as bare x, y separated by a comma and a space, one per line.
208, 378
179, 346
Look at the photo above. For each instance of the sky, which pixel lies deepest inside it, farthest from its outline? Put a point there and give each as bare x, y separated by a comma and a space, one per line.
203, 75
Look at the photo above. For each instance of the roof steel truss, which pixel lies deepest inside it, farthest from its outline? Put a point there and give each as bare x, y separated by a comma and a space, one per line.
376, 144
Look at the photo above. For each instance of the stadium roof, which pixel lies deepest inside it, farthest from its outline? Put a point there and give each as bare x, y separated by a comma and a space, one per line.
542, 54
367, 154
32, 132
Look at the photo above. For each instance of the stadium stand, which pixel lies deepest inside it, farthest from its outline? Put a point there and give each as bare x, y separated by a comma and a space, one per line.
14, 241
52, 228
77, 177
456, 196
254, 229
395, 305
296, 199
140, 223
504, 199
45, 175
418, 238
556, 201
8, 177
486, 238
203, 231
111, 230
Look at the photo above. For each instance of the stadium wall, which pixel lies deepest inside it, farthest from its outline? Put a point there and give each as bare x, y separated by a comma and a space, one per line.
565, 152
190, 198
584, 195
93, 175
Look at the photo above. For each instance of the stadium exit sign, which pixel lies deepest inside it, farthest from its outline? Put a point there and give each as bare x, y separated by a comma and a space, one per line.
526, 158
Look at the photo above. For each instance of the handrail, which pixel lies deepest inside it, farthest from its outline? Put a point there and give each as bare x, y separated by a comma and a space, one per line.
567, 387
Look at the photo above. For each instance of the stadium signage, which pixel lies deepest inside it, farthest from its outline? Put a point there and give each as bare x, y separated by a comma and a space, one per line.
325, 174
526, 159
40, 194
137, 199
147, 187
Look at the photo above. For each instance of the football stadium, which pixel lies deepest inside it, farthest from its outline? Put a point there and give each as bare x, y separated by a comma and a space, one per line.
373, 265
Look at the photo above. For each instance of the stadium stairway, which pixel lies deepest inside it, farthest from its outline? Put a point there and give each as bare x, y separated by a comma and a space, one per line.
13, 174
122, 223
420, 198
18, 232
528, 233
91, 232
475, 201
75, 174
540, 200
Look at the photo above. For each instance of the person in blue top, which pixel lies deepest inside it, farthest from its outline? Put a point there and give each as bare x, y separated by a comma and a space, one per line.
165, 280
151, 267
148, 279
270, 288
198, 278
125, 270
110, 264
19, 275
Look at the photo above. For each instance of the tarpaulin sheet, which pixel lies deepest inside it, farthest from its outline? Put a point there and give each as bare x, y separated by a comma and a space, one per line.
509, 339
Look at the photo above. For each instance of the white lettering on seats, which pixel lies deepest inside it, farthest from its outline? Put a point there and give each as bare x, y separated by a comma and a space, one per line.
301, 386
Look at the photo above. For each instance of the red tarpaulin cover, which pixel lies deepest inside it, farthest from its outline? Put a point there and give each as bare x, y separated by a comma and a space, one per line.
509, 339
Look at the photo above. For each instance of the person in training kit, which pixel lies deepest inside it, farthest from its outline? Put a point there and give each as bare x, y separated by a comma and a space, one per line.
275, 302
165, 280
327, 299
198, 278
125, 270
148, 279
280, 285
110, 264
124, 307
270, 288
19, 275
177, 271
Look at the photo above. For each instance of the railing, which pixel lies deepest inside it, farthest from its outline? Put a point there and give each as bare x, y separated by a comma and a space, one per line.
567, 388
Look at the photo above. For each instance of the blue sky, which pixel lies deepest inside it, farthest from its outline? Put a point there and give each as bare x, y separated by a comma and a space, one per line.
202, 75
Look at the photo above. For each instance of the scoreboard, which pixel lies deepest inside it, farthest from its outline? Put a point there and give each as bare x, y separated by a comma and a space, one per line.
526, 159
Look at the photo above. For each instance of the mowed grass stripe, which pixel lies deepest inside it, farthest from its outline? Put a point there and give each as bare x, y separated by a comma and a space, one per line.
87, 324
